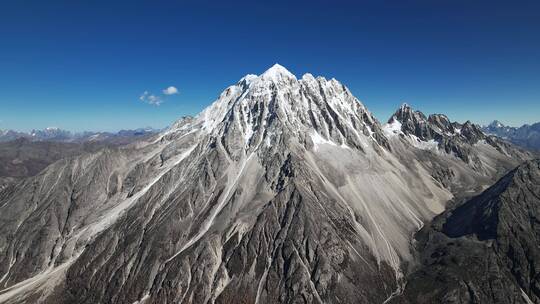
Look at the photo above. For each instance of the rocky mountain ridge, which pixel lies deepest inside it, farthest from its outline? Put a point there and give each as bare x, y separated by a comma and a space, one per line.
452, 137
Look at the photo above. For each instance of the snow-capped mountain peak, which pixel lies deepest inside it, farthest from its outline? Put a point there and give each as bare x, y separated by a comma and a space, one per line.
527, 135
496, 124
404, 106
277, 72
261, 107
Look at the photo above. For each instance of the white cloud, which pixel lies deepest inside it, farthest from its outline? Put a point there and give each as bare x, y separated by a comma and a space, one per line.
170, 91
156, 100
152, 99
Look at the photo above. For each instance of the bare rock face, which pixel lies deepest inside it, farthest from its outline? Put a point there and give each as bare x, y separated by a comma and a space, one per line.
486, 250
284, 190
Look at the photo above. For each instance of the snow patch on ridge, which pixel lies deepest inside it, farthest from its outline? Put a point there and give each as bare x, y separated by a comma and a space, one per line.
430, 145
318, 140
392, 128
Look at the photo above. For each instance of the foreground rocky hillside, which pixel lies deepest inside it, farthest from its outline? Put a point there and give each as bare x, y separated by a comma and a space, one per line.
485, 250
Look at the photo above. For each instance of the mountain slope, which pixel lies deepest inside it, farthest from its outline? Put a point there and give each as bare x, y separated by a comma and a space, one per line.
22, 158
283, 190
486, 250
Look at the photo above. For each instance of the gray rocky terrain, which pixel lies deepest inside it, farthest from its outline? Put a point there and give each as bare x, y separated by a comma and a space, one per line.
486, 249
23, 155
284, 190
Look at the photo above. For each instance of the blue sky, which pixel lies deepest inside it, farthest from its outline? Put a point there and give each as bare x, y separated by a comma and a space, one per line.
82, 65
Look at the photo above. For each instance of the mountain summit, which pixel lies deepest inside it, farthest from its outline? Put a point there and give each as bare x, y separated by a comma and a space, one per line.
282, 190
260, 108
277, 71
496, 124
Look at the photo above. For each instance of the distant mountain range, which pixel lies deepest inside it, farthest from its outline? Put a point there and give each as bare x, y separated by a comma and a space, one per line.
25, 154
527, 136
60, 135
